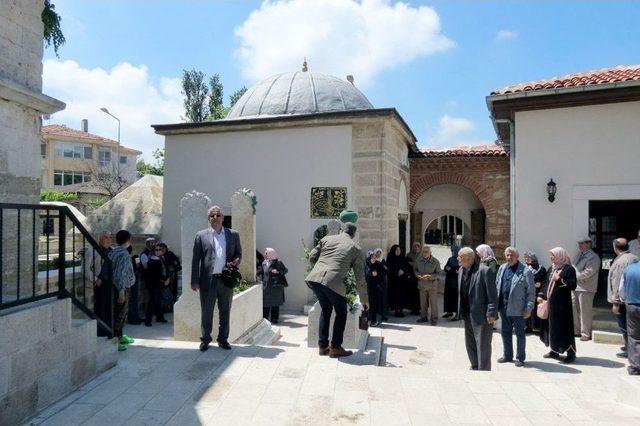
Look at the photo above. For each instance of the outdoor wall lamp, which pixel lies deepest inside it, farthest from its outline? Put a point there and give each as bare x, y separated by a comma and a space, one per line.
551, 190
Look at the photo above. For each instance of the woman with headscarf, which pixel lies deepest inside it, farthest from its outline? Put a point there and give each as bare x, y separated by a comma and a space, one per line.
374, 276
557, 330
378, 253
487, 257
273, 284
451, 284
398, 275
539, 277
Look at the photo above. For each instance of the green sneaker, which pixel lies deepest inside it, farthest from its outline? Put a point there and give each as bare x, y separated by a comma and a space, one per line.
122, 347
126, 339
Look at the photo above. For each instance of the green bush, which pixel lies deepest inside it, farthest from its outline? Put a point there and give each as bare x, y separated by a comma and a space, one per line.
58, 196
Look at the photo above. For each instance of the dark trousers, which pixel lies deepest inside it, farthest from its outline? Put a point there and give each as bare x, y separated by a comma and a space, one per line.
622, 323
103, 302
134, 304
509, 326
153, 305
375, 301
120, 312
272, 313
477, 339
385, 298
330, 300
633, 346
215, 291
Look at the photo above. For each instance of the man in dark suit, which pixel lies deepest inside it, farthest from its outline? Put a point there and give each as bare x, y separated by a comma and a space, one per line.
478, 308
214, 249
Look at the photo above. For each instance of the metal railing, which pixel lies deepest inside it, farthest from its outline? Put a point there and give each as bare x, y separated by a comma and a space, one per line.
46, 252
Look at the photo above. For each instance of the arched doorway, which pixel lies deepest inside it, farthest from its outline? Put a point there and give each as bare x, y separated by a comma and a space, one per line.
450, 213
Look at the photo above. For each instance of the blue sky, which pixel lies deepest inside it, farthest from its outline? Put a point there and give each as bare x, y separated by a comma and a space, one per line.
478, 46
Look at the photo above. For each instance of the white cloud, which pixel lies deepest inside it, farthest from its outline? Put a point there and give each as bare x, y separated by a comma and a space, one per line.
506, 35
455, 131
126, 90
339, 37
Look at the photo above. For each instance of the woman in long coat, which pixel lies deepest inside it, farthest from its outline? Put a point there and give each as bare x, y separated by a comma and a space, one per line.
451, 284
557, 331
539, 277
487, 257
398, 275
374, 274
273, 284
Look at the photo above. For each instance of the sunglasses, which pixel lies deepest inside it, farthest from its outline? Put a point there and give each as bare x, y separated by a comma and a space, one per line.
216, 215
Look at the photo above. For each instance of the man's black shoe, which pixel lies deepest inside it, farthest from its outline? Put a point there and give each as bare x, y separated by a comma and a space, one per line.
134, 322
161, 320
519, 363
622, 355
148, 323
204, 346
224, 344
503, 359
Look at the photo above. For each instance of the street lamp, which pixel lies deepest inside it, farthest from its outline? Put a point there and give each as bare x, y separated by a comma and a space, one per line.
106, 111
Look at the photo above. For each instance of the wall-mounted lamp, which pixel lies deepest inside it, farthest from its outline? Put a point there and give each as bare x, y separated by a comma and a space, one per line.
551, 190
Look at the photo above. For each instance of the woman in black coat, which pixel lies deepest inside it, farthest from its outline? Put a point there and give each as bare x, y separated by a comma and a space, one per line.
398, 275
155, 279
451, 284
557, 331
273, 284
539, 277
374, 274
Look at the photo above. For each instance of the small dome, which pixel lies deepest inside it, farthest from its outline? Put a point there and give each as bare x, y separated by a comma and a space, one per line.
299, 92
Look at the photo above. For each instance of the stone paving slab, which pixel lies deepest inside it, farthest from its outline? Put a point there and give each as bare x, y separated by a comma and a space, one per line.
426, 381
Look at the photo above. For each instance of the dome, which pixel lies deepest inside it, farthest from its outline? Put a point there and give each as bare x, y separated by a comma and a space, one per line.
301, 92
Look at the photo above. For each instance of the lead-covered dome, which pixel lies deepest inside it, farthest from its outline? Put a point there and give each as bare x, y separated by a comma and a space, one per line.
301, 92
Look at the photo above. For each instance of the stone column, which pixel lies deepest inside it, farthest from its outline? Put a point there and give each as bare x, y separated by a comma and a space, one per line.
243, 220
186, 311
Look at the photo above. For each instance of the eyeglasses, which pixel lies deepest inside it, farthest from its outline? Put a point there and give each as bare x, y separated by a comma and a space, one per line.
216, 215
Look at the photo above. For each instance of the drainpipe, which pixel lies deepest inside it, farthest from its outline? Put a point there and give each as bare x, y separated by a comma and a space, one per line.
512, 176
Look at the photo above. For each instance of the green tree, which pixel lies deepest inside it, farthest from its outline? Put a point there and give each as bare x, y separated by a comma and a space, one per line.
157, 168
195, 93
235, 96
52, 26
216, 107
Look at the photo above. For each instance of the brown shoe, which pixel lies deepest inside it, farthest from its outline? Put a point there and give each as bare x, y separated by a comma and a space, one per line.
585, 338
339, 352
323, 351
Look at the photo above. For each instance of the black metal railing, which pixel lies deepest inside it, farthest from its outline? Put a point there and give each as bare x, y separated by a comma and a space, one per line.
46, 252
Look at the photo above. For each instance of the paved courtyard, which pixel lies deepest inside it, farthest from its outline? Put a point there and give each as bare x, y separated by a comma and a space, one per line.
425, 380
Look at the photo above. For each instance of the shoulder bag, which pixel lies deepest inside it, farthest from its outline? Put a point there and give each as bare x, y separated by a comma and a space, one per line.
543, 307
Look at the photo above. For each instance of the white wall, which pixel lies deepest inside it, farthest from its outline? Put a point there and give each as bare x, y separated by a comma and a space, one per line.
447, 199
583, 149
281, 166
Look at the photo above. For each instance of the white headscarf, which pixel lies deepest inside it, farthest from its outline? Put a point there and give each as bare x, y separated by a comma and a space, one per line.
485, 252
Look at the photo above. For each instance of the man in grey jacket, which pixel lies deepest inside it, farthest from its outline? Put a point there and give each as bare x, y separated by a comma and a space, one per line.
516, 297
622, 260
333, 258
214, 249
587, 266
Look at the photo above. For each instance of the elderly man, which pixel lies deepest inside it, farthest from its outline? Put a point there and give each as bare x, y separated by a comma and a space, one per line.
478, 304
587, 266
634, 245
630, 295
428, 272
333, 258
622, 260
516, 297
413, 292
214, 249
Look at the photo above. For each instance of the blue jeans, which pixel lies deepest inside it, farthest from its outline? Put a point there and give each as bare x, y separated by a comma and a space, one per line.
330, 300
509, 325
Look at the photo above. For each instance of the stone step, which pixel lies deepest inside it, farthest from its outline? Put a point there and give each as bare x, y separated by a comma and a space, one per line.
262, 334
607, 337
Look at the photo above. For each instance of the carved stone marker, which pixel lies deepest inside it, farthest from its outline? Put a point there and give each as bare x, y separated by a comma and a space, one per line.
186, 311
243, 220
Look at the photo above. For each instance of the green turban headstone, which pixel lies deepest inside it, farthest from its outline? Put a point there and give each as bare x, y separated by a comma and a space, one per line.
348, 216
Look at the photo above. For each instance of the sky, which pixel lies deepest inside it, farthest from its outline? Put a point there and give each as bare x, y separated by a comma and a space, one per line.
434, 61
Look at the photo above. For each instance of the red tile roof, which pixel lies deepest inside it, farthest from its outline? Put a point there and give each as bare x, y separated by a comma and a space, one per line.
588, 78
60, 130
467, 151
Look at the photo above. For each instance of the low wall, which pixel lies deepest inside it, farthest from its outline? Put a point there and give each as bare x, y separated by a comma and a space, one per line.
246, 313
352, 332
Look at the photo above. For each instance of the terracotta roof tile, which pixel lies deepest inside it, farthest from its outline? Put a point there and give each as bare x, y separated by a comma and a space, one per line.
467, 151
588, 78
59, 130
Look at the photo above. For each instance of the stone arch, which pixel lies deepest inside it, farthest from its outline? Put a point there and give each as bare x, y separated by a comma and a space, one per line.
424, 183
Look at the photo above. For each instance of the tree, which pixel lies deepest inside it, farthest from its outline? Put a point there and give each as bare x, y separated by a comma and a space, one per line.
195, 91
157, 168
236, 95
216, 107
107, 179
52, 26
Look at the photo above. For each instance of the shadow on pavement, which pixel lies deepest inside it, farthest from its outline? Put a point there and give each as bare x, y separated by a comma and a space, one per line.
552, 367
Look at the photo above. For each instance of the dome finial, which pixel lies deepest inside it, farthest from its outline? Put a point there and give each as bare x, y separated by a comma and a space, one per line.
304, 65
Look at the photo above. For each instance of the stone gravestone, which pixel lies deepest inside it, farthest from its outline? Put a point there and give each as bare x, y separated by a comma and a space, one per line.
243, 220
186, 311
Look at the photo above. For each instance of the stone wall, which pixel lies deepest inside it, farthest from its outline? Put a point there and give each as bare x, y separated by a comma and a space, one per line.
487, 177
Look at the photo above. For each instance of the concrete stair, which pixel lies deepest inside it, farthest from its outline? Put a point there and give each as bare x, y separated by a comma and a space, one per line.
262, 334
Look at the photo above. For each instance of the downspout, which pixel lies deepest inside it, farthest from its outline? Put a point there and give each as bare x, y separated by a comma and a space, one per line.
512, 177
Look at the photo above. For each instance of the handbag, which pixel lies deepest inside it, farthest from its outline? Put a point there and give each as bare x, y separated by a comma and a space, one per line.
363, 321
543, 307
231, 276
279, 280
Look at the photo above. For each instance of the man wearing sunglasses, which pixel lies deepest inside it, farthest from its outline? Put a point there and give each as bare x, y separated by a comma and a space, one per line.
214, 249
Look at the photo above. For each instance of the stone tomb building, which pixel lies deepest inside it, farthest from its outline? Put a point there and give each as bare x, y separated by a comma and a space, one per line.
309, 145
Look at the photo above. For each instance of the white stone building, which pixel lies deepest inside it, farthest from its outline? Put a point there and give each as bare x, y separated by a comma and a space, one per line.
309, 145
582, 131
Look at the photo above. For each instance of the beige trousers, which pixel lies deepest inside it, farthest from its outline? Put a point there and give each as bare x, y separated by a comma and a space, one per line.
428, 298
582, 302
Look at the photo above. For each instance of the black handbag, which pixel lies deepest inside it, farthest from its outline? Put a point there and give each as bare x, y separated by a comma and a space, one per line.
363, 321
231, 276
279, 280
